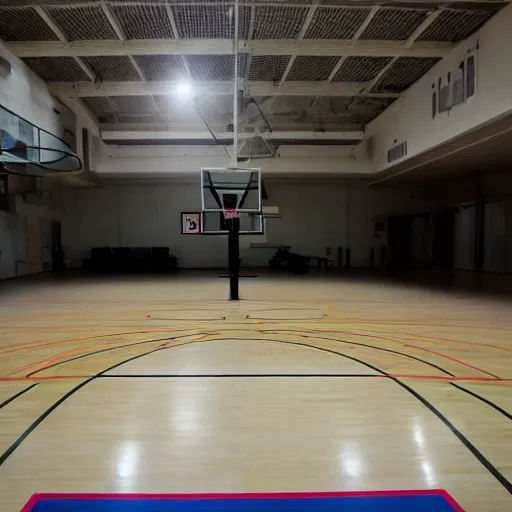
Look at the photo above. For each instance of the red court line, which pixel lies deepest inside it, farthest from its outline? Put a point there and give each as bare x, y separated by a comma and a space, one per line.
393, 375
278, 495
71, 340
51, 377
448, 379
451, 359
51, 360
436, 339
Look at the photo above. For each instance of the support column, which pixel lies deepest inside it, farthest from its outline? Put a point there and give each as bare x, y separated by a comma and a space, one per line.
234, 257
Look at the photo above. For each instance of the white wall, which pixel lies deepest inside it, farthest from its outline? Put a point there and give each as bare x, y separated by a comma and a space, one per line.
410, 118
315, 215
126, 161
26, 95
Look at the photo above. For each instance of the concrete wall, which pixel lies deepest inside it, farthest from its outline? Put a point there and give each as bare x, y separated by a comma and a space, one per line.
316, 214
410, 118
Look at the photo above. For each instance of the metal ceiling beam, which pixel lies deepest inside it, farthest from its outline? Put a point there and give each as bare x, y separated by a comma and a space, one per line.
206, 135
85, 89
250, 33
116, 27
76, 105
313, 47
408, 44
300, 37
355, 38
52, 25
114, 23
352, 4
176, 35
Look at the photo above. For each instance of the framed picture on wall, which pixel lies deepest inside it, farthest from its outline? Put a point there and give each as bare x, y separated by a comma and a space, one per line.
190, 223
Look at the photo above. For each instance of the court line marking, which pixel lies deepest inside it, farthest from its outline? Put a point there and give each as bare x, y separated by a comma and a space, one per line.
465, 441
240, 375
108, 349
397, 352
483, 399
454, 359
389, 350
301, 333
48, 411
86, 338
38, 379
39, 420
396, 375
436, 339
270, 331
36, 498
16, 395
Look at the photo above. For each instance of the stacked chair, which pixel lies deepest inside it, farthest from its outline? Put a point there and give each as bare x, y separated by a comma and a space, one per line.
131, 259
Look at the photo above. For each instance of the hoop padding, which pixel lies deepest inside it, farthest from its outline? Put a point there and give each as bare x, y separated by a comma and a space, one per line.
230, 213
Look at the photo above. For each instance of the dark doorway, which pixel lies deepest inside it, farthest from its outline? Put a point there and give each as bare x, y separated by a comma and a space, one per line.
57, 252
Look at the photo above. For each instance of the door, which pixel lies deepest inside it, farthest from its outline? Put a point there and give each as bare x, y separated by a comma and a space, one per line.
443, 243
46, 244
57, 253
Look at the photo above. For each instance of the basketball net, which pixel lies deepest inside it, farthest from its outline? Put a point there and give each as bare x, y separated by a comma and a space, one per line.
230, 213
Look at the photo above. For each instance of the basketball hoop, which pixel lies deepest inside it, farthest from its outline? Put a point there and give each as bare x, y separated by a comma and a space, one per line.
230, 213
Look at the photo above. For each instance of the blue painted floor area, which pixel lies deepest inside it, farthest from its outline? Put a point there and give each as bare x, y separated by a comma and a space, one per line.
426, 503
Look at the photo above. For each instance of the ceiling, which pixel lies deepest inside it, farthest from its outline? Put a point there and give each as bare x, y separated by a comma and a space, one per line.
305, 65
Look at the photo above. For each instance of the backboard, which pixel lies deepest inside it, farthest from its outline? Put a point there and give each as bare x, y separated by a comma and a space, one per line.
238, 189
21, 143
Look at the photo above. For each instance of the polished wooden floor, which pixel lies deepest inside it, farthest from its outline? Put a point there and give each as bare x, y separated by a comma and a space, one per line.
315, 383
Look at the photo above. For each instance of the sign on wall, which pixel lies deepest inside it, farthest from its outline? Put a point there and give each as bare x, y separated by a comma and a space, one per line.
190, 223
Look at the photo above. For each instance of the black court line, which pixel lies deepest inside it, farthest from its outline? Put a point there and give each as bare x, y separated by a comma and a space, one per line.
294, 331
39, 420
382, 349
239, 375
483, 399
95, 352
13, 397
221, 319
70, 393
249, 317
465, 441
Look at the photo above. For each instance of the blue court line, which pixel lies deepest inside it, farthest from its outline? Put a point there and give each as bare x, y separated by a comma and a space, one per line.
308, 503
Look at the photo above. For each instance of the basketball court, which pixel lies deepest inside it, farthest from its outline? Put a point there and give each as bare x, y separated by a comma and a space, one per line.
260, 256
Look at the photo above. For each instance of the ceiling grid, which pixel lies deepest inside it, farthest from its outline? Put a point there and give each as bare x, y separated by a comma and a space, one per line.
336, 61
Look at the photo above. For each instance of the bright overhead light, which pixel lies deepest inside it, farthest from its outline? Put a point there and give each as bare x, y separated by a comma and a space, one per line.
184, 89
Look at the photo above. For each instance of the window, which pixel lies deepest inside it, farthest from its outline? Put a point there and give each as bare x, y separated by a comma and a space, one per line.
471, 77
434, 101
458, 85
85, 147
